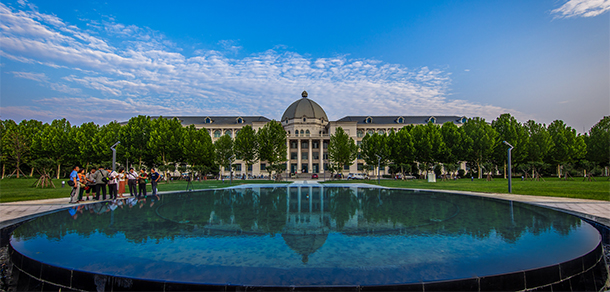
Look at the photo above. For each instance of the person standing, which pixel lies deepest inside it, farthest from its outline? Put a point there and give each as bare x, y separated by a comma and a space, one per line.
82, 180
90, 183
122, 182
113, 185
132, 181
142, 180
76, 186
101, 179
154, 179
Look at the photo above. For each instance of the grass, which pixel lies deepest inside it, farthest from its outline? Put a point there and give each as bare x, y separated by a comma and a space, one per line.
15, 190
12, 190
552, 187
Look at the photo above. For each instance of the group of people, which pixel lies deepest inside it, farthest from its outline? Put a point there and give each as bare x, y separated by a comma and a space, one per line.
99, 181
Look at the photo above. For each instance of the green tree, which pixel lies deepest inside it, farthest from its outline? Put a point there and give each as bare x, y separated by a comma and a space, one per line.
225, 154
538, 146
511, 131
481, 140
164, 141
197, 148
342, 149
15, 146
55, 142
401, 149
598, 143
134, 138
374, 149
271, 140
246, 146
568, 147
428, 144
85, 136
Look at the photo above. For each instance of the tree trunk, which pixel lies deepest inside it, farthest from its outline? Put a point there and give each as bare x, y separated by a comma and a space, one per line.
504, 170
3, 169
559, 171
32, 172
479, 166
58, 168
17, 168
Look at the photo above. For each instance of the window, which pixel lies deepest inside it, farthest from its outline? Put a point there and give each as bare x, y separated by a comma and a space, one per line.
217, 134
302, 133
240, 120
360, 133
358, 143
432, 120
263, 166
326, 166
325, 145
315, 144
250, 167
304, 144
207, 121
359, 156
346, 167
463, 120
305, 156
325, 155
371, 132
315, 155
237, 167
293, 144
381, 132
294, 155
304, 120
296, 133
307, 133
368, 120
360, 166
400, 120
228, 132
236, 132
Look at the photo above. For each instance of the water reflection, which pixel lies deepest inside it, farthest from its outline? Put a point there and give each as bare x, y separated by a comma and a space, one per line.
303, 216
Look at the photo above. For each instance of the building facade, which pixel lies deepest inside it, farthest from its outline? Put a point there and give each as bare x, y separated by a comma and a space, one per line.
308, 131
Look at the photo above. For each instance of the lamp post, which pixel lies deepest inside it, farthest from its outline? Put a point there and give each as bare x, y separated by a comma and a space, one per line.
114, 155
378, 167
510, 187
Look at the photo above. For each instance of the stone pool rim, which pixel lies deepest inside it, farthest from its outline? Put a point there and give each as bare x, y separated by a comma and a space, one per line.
565, 274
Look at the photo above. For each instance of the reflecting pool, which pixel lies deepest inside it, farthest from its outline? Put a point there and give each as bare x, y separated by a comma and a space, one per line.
305, 235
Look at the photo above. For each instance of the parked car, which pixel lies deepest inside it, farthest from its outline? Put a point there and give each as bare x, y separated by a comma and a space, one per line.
314, 176
339, 175
357, 176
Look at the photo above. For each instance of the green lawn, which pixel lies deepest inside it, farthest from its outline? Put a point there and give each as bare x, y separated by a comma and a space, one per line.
596, 190
13, 190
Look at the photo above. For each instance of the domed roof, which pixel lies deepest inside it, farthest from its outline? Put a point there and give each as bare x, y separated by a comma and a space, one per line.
304, 244
304, 107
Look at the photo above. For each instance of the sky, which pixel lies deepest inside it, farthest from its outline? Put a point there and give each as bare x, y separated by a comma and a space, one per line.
109, 60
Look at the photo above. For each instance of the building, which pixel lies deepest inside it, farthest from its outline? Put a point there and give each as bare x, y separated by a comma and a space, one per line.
308, 129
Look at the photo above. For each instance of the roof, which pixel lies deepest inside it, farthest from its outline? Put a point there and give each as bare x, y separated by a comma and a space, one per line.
407, 120
217, 120
304, 107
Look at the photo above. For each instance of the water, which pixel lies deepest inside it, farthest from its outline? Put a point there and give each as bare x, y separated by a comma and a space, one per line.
305, 236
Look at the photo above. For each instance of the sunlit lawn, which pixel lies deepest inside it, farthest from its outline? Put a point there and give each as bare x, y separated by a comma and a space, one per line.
577, 188
12, 189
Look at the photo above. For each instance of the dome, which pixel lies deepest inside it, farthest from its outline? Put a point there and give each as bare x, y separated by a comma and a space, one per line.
304, 107
304, 244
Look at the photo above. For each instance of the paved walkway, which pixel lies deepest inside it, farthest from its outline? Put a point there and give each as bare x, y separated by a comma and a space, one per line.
598, 211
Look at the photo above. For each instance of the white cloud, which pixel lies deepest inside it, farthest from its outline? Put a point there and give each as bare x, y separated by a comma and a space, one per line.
583, 8
144, 73
40, 77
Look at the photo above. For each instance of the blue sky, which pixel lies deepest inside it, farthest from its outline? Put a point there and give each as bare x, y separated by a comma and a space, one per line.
111, 60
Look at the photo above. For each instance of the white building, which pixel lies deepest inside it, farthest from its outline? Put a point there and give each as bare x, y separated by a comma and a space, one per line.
308, 132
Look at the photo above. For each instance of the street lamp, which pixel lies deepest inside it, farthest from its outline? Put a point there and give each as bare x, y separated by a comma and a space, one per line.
510, 188
378, 167
114, 155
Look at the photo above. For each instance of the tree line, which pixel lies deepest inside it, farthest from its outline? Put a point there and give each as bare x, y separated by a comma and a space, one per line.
164, 143
556, 148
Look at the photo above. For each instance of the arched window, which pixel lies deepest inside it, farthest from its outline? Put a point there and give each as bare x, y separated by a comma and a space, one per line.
381, 132
371, 132
307, 133
463, 120
401, 120
217, 133
236, 132
432, 120
302, 133
240, 120
304, 119
368, 120
296, 133
207, 120
360, 133
228, 132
